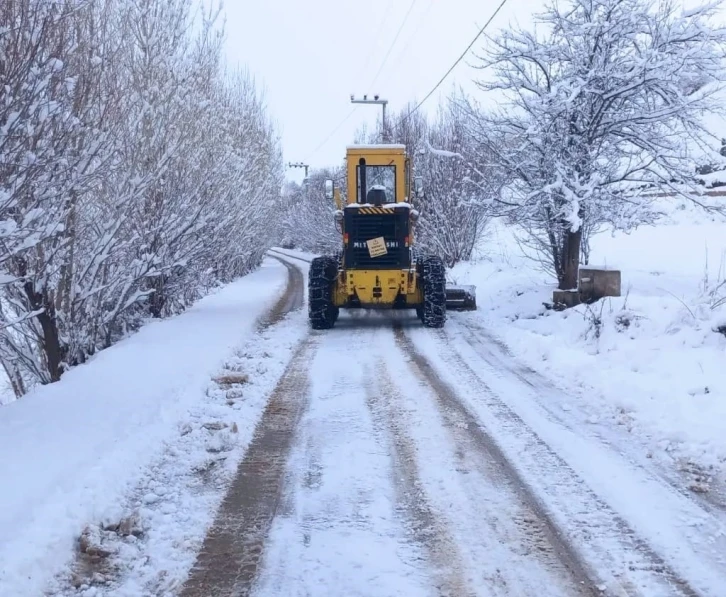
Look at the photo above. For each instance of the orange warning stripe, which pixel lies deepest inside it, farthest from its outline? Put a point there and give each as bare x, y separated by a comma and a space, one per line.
373, 210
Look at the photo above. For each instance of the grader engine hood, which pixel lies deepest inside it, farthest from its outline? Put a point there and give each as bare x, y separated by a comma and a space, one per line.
377, 237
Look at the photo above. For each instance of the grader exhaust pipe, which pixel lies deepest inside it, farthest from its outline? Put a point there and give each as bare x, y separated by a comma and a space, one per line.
363, 181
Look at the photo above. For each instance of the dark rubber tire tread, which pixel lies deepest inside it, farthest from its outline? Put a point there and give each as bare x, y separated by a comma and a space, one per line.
322, 313
433, 278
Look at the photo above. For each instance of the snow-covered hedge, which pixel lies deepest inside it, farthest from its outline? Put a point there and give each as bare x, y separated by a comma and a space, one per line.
135, 174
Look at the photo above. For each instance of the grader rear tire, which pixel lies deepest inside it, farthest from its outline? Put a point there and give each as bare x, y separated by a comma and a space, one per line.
433, 276
322, 313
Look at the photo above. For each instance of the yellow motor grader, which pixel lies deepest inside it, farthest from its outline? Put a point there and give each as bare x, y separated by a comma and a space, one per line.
378, 266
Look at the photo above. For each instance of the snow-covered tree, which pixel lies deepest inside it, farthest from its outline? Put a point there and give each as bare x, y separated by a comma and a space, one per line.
452, 215
603, 98
53, 148
135, 173
308, 219
453, 212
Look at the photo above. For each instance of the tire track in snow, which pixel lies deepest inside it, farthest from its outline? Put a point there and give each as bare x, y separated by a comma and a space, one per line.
691, 521
590, 534
499, 356
232, 551
276, 253
705, 528
84, 571
427, 527
339, 531
496, 507
291, 300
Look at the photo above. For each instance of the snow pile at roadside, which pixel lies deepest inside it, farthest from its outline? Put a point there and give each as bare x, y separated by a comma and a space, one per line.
649, 361
72, 453
171, 509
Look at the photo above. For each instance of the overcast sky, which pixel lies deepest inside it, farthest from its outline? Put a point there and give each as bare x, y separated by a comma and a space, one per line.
311, 55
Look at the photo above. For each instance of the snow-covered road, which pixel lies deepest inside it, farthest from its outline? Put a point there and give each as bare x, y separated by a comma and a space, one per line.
377, 458
394, 460
403, 501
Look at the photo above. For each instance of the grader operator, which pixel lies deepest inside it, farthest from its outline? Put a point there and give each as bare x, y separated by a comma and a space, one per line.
378, 266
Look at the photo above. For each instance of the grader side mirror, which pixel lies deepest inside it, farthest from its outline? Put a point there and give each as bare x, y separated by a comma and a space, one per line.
328, 189
418, 186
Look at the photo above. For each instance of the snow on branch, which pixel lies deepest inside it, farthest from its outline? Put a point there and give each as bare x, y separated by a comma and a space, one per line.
442, 153
135, 174
600, 108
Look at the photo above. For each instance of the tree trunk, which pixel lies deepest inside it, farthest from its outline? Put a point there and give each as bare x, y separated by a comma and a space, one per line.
570, 259
52, 348
51, 343
157, 299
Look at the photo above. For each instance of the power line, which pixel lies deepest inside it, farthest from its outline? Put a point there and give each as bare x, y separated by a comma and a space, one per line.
342, 122
459, 59
378, 37
393, 43
413, 36
335, 130
430, 93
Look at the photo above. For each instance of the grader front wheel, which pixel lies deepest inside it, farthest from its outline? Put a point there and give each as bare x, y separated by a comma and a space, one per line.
321, 282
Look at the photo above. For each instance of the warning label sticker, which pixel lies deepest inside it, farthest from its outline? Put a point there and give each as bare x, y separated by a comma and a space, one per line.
377, 247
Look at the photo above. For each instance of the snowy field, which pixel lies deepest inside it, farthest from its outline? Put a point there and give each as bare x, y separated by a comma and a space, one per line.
648, 363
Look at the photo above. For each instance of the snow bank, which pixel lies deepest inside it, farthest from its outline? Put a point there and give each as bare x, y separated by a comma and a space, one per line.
713, 179
650, 361
70, 452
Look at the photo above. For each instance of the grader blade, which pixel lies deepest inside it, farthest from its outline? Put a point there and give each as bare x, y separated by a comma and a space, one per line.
461, 298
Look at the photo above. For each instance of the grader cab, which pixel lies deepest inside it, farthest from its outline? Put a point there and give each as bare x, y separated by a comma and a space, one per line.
378, 266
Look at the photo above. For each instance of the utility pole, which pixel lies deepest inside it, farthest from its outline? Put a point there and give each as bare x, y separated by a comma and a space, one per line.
376, 100
299, 165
